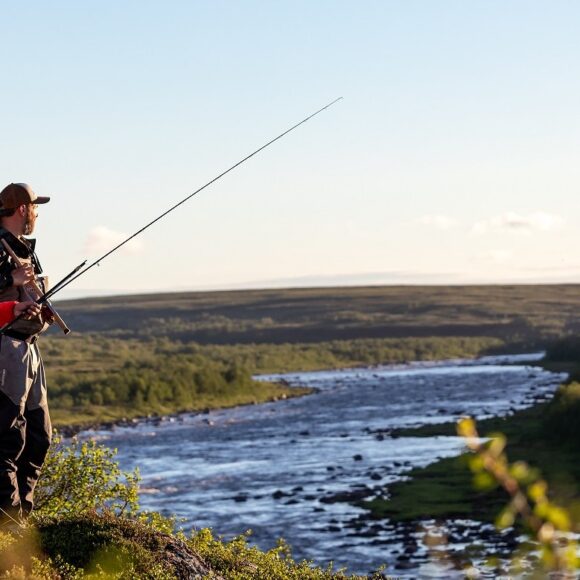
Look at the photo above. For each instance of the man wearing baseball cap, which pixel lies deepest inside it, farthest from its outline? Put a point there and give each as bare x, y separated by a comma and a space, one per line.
25, 429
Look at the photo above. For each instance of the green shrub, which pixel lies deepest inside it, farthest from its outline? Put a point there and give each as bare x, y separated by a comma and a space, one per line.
561, 420
83, 476
236, 560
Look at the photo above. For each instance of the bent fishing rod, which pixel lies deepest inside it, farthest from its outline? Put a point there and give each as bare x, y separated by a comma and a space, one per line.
83, 268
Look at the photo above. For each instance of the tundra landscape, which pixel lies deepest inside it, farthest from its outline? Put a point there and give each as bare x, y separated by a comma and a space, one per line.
133, 362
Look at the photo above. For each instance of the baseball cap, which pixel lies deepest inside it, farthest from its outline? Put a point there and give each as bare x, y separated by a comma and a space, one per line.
16, 194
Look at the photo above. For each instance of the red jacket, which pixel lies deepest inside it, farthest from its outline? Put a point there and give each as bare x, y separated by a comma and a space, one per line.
6, 312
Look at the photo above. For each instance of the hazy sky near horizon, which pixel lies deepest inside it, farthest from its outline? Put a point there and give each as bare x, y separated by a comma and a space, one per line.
453, 157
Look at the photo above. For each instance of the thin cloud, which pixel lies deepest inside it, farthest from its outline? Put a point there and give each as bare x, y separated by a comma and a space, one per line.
519, 223
441, 222
498, 256
102, 239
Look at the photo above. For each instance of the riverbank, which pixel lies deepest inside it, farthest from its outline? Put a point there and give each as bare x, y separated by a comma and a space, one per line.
95, 380
543, 436
70, 422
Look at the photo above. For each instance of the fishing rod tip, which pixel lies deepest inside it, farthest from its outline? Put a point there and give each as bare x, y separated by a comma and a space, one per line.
333, 102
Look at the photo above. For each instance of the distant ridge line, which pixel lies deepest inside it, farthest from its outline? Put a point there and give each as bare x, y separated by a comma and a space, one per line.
346, 287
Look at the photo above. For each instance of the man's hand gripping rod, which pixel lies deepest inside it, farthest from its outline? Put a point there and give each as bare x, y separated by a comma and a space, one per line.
33, 291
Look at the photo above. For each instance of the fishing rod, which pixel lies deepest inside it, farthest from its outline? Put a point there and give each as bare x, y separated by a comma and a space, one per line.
75, 274
58, 285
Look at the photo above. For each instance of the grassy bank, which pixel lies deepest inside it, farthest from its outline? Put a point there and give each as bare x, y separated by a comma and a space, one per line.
544, 436
108, 547
445, 489
88, 416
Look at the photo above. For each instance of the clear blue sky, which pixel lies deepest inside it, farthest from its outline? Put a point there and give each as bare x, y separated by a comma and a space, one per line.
454, 156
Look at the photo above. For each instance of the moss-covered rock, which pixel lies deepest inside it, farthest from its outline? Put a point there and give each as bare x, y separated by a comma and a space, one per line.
101, 546
106, 546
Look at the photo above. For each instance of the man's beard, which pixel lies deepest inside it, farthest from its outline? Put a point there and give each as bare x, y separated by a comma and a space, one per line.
29, 224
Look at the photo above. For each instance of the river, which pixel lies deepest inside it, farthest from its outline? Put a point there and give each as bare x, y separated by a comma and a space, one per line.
275, 468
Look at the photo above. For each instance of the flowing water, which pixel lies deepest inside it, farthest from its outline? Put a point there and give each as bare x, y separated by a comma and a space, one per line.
277, 468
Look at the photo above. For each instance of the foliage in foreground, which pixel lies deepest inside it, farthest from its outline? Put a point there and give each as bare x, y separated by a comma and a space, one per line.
239, 561
547, 524
79, 477
90, 545
106, 546
112, 547
88, 525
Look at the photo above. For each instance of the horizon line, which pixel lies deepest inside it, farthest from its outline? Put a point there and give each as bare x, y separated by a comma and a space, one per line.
132, 293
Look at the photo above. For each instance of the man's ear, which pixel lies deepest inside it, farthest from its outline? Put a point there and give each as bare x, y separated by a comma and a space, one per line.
22, 210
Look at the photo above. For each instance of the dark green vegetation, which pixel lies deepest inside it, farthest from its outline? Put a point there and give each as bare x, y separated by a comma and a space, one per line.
137, 355
514, 314
545, 436
96, 378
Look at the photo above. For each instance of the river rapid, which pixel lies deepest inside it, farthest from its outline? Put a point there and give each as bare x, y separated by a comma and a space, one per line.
277, 468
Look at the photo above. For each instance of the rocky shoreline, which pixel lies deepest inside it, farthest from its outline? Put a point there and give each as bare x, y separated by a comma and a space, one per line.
408, 543
155, 419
